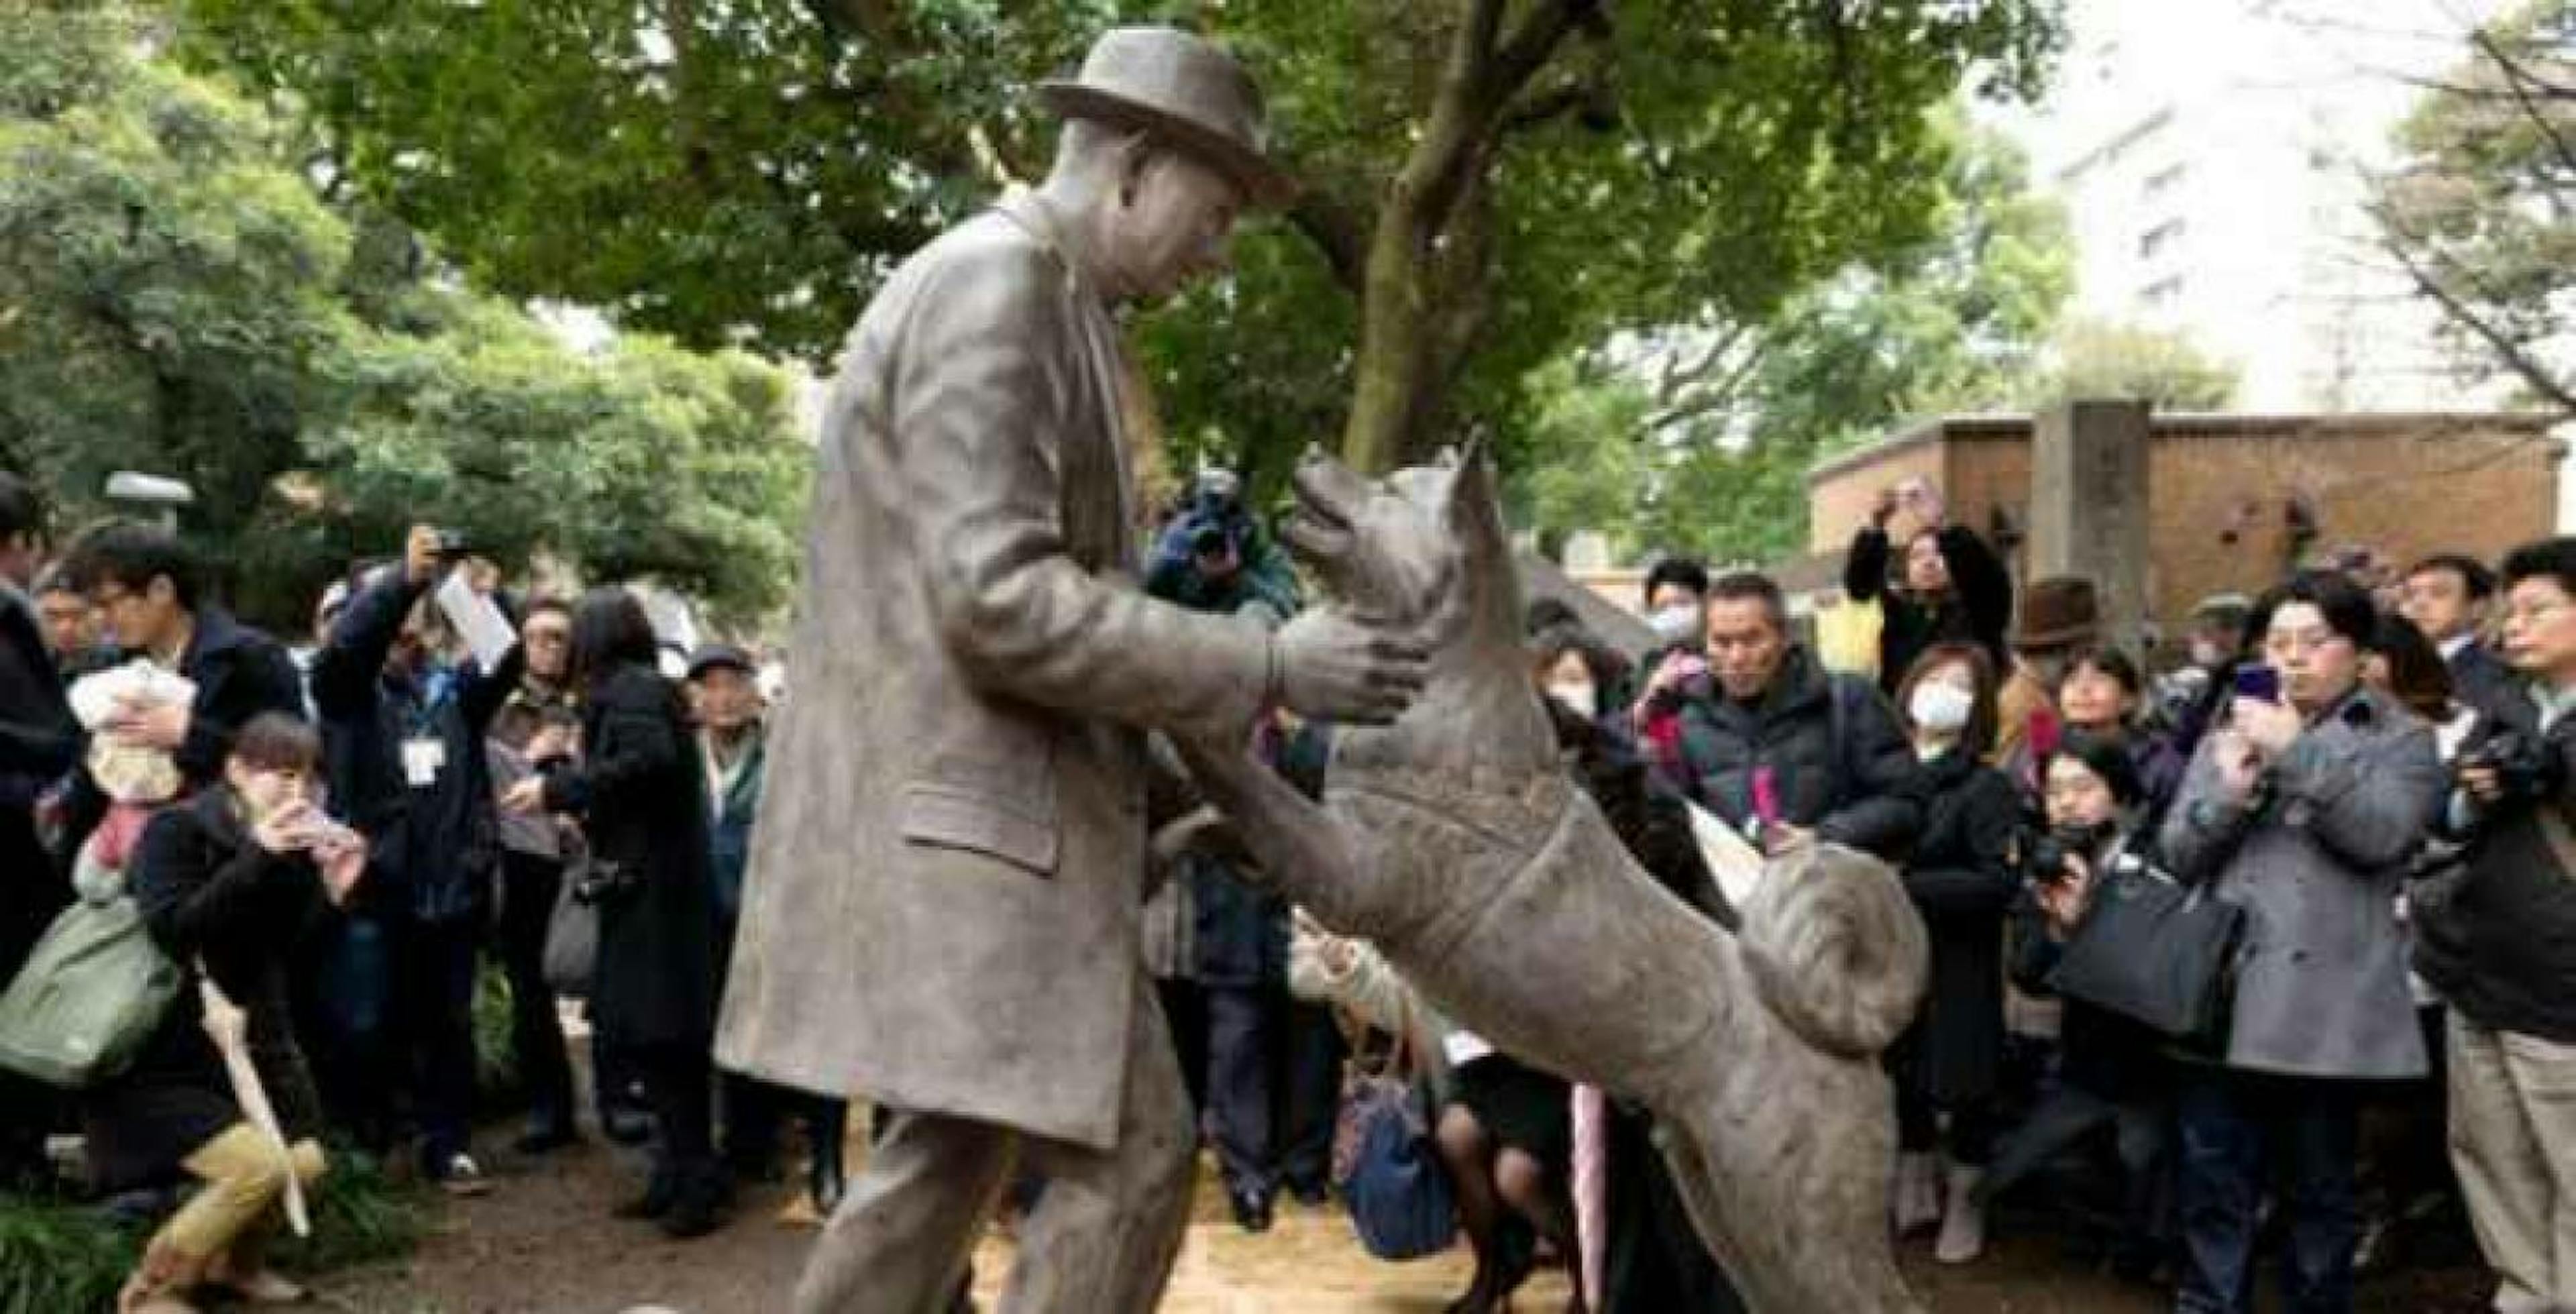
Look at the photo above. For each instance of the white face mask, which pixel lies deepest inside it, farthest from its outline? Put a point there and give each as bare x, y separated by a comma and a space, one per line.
1578, 696
1676, 624
1941, 707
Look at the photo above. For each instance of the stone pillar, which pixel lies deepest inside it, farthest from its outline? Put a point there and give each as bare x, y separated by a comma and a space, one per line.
2089, 500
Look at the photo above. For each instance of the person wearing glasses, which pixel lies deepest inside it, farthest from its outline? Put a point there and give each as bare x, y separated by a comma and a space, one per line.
2497, 939
2304, 807
534, 851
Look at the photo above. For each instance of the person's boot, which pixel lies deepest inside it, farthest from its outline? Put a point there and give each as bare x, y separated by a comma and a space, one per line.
160, 1282
1918, 1193
699, 1203
1963, 1220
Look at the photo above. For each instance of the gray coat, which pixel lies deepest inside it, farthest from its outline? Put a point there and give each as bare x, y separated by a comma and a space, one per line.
2317, 856
941, 906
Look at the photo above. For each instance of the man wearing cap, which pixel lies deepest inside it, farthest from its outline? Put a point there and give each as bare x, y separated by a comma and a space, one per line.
941, 906
725, 697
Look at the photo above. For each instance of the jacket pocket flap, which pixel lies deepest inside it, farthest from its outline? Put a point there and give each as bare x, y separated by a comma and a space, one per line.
947, 817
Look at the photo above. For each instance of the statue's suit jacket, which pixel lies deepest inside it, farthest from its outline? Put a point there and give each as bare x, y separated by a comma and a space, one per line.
941, 906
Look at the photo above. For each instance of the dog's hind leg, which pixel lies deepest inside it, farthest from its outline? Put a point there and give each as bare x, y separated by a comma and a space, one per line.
1785, 1168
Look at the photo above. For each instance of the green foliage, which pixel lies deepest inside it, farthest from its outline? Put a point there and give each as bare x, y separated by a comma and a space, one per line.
1718, 421
2116, 361
747, 173
176, 297
2481, 212
56, 1256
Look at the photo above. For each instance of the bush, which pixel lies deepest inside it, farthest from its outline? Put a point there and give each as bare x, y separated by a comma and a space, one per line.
62, 1258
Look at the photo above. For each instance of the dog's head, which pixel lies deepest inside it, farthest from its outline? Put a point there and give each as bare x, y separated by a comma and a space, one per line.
1422, 550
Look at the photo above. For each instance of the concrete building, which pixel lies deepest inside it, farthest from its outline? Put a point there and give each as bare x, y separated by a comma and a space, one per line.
2228, 502
2211, 157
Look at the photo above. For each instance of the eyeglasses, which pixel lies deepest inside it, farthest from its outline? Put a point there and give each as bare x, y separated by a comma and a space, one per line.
549, 636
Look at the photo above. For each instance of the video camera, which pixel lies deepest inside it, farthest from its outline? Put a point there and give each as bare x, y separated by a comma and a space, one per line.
2525, 768
2041, 855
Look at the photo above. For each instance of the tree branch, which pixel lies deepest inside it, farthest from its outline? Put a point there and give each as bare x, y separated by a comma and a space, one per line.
2515, 79
1568, 97
1335, 231
2514, 355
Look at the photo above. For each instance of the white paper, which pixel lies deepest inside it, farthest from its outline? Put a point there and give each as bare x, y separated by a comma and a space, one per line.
94, 698
478, 618
1732, 859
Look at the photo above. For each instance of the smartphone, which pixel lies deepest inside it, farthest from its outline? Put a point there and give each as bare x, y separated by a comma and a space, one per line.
2258, 682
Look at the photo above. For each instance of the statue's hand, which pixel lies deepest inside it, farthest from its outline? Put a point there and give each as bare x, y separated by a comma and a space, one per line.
1328, 667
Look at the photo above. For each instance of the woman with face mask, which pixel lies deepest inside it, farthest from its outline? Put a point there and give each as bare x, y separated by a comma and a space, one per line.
1961, 880
230, 884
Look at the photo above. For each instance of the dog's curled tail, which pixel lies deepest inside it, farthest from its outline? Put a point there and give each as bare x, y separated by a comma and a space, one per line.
1836, 949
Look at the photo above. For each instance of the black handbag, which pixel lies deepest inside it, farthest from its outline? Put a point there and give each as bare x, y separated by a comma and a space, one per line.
2151, 950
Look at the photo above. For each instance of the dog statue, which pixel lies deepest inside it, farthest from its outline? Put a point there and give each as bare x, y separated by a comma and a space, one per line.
1456, 842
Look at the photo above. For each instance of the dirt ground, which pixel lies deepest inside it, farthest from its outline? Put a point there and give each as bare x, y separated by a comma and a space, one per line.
542, 1243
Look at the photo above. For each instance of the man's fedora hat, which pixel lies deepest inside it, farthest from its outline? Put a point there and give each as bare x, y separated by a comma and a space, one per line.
1183, 90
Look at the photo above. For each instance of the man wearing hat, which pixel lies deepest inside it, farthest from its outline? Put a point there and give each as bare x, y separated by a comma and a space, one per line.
2058, 616
941, 906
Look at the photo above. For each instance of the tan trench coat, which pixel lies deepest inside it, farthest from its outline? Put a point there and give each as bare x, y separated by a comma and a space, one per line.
941, 906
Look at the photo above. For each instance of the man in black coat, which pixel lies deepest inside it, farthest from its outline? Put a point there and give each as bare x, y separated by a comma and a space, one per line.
39, 743
403, 749
2448, 597
149, 588
1780, 749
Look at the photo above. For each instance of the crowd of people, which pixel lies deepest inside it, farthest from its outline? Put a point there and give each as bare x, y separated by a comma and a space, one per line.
2369, 766
334, 839
2352, 786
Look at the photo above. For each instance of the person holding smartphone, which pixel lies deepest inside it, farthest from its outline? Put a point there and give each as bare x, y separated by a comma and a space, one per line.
230, 884
2304, 807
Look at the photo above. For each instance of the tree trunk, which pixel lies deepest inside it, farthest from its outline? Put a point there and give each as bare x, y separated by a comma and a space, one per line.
1422, 301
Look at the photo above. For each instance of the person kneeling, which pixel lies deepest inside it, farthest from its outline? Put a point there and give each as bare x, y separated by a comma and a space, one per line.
227, 883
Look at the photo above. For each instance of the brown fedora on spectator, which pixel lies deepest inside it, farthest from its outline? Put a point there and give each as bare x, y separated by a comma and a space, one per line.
1184, 91
2060, 612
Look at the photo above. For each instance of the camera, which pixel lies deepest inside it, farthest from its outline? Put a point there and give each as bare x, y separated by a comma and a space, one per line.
452, 544
2525, 768
2042, 854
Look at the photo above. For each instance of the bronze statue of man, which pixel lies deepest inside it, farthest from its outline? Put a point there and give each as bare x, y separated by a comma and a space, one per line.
941, 908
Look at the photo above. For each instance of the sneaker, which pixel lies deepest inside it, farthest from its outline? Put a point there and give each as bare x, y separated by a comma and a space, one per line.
461, 1176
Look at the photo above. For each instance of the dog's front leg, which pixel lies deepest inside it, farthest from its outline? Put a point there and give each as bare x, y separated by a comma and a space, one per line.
1303, 852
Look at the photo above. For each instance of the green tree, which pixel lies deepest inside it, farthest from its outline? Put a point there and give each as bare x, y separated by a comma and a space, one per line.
1721, 419
175, 297
2481, 211
1491, 182
2092, 359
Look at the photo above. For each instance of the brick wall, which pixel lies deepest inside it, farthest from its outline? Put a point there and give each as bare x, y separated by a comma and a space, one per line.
2410, 485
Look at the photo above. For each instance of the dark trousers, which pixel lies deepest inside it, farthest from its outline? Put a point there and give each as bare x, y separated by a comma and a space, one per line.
348, 998
433, 992
1973, 1127
755, 1109
1185, 1015
529, 886
1242, 1021
1311, 1096
2235, 1127
679, 1086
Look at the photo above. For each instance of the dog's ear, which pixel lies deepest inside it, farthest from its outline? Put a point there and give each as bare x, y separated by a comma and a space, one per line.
1474, 514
